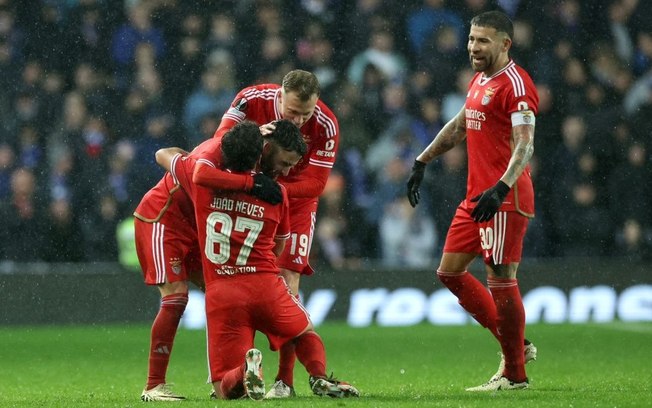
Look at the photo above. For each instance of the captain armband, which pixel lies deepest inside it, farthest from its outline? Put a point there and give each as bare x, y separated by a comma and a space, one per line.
524, 117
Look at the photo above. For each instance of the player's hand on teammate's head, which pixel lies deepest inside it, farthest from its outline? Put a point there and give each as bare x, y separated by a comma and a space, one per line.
267, 129
266, 189
416, 177
489, 201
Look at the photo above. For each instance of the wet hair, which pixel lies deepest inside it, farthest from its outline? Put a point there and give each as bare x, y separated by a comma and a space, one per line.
242, 146
494, 19
305, 84
288, 137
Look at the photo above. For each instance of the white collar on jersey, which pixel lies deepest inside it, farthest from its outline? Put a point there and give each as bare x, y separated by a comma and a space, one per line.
484, 79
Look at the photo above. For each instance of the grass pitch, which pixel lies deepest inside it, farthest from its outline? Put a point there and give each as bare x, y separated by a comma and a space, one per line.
606, 365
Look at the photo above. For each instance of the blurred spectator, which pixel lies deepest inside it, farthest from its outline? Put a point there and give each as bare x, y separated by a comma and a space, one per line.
427, 122
26, 112
575, 80
62, 234
382, 54
331, 226
628, 183
13, 36
144, 172
7, 164
397, 140
222, 34
98, 229
53, 100
214, 95
62, 181
443, 55
30, 149
584, 227
371, 99
118, 179
88, 34
642, 58
24, 219
46, 39
407, 235
137, 30
634, 241
430, 18
454, 100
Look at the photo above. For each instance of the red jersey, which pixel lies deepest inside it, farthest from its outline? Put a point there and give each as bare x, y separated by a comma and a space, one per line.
490, 103
237, 231
260, 104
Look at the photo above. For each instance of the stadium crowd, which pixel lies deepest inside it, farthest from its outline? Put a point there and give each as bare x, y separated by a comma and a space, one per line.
90, 89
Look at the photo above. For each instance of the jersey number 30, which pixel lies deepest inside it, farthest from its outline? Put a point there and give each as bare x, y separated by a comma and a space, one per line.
219, 227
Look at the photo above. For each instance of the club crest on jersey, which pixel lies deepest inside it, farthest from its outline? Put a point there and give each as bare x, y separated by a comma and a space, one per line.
488, 93
240, 104
175, 264
306, 138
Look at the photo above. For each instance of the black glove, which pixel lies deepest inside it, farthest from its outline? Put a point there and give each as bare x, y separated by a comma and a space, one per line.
489, 202
418, 169
266, 189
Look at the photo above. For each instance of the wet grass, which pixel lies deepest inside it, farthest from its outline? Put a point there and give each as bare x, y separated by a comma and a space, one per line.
606, 365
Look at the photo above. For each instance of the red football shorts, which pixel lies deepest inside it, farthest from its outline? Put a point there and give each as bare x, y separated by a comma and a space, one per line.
237, 306
166, 253
296, 253
499, 240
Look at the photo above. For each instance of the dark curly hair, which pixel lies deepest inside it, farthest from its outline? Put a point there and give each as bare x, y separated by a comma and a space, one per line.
287, 136
242, 146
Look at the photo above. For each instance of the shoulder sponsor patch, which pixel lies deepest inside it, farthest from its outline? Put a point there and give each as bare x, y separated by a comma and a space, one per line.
240, 104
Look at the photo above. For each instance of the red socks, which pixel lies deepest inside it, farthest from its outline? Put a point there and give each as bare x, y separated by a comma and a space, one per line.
164, 329
500, 311
511, 325
286, 360
310, 352
473, 296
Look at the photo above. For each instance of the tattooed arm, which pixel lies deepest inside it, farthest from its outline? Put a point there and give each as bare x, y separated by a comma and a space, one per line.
523, 141
453, 133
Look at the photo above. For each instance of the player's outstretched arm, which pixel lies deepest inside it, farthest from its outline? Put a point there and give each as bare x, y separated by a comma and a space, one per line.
206, 175
258, 185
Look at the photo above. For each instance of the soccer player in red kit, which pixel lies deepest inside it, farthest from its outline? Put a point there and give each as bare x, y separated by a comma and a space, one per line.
497, 123
296, 99
166, 244
241, 236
